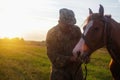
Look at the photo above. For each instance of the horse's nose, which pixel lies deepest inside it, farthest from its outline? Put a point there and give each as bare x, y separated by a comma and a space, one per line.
76, 53
85, 47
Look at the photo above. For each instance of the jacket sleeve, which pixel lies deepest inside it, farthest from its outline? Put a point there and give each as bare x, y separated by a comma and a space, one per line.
54, 51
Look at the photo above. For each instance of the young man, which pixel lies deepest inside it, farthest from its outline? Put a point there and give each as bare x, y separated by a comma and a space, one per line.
61, 40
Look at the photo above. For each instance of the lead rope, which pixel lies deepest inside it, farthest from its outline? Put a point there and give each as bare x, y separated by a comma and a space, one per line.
86, 70
85, 65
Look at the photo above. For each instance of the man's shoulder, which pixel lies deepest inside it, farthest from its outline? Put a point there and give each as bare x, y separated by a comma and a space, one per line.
53, 29
52, 34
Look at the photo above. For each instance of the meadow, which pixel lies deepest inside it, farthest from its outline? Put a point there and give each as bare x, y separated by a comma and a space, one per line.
29, 61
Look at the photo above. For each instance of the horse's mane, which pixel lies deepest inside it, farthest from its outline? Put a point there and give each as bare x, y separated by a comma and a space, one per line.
113, 22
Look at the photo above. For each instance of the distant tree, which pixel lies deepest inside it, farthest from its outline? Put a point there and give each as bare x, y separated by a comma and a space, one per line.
22, 39
15, 40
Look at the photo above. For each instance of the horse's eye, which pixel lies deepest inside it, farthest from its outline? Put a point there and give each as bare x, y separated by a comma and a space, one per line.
96, 29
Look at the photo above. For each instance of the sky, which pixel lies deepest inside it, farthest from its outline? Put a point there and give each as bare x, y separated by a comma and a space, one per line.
31, 19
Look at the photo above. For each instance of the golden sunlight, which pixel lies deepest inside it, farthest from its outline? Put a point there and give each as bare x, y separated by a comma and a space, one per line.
9, 34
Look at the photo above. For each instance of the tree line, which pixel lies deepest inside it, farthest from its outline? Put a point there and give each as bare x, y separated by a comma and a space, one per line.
21, 41
12, 40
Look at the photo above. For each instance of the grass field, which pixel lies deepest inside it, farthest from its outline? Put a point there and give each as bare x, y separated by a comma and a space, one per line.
30, 62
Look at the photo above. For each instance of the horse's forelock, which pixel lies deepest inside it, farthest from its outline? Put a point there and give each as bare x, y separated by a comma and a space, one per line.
92, 17
96, 16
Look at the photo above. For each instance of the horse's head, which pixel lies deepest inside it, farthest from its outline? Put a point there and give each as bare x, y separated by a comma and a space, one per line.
93, 36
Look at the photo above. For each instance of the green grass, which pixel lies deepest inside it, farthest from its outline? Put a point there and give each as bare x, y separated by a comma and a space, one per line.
98, 68
23, 62
30, 62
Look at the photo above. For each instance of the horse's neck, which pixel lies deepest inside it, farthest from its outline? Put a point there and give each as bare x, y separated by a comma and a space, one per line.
114, 45
115, 33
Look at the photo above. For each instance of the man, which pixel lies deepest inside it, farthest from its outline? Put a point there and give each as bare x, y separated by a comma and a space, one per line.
61, 40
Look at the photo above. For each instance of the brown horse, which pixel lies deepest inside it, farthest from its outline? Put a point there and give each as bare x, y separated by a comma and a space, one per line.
101, 30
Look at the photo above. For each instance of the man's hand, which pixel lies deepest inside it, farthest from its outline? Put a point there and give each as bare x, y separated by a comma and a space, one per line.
85, 58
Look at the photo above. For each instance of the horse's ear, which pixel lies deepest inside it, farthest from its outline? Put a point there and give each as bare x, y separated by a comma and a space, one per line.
90, 11
101, 10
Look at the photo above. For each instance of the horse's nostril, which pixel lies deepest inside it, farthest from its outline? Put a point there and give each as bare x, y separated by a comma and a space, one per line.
78, 53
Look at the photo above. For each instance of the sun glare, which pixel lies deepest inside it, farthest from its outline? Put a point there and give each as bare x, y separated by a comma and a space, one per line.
9, 34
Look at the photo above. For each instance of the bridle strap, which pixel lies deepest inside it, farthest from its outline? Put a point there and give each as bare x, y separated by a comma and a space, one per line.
87, 42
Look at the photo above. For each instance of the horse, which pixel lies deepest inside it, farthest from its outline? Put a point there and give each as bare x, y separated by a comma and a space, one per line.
99, 31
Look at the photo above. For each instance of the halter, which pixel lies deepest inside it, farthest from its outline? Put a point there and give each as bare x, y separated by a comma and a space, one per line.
87, 42
107, 39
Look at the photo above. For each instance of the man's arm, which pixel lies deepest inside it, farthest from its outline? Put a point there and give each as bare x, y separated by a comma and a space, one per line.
54, 50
